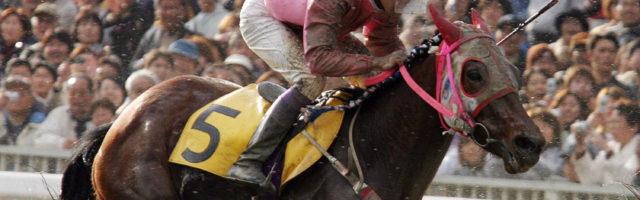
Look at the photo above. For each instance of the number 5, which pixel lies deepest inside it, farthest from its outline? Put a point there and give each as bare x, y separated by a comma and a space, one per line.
213, 132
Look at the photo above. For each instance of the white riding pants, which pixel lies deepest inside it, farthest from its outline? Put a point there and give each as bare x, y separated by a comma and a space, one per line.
279, 47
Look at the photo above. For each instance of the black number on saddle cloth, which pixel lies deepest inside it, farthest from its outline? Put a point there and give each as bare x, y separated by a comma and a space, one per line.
213, 132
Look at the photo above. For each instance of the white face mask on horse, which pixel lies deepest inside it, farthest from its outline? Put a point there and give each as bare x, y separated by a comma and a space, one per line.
458, 50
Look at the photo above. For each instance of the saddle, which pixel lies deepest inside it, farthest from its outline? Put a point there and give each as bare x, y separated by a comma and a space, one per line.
216, 134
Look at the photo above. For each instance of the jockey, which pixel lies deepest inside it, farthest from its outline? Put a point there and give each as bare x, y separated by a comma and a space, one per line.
306, 40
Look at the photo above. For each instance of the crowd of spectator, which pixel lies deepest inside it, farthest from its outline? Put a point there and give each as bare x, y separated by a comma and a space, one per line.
71, 65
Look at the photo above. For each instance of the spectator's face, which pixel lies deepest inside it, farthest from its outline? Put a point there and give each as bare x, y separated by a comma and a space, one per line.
86, 63
171, 12
617, 125
209, 71
90, 63
140, 85
41, 24
456, 9
228, 75
118, 6
511, 45
582, 86
437, 4
21, 70
546, 129
162, 68
546, 62
414, 23
105, 70
30, 4
78, 68
471, 153
207, 5
88, 32
413, 37
634, 59
491, 13
237, 45
101, 116
24, 101
56, 51
537, 85
609, 106
628, 12
242, 71
183, 65
569, 108
80, 96
63, 71
579, 56
603, 56
112, 91
569, 28
42, 81
11, 29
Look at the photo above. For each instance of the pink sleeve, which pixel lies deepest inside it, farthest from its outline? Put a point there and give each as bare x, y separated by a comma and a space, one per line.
320, 35
382, 35
292, 11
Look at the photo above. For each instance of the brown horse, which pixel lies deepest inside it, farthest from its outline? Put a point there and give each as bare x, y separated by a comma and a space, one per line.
398, 137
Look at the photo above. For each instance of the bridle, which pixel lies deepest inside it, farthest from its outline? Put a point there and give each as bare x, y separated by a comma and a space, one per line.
459, 119
466, 109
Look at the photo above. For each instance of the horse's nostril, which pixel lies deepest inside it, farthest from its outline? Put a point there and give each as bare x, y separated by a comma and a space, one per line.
529, 145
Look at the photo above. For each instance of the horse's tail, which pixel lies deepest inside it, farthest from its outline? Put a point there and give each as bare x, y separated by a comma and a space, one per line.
76, 180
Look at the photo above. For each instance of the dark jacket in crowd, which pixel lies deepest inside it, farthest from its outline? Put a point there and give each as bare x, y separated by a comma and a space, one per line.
125, 31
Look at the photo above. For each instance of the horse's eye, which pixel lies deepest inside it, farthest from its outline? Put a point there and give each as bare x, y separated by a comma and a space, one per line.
474, 75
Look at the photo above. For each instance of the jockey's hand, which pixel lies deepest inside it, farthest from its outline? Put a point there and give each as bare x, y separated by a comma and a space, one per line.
389, 61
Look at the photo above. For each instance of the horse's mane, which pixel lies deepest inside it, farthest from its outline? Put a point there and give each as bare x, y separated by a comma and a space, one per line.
80, 164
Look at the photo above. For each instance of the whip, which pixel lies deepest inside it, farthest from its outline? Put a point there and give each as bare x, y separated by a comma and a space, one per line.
533, 17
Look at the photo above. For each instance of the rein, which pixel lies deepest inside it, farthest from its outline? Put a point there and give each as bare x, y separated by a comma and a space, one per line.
385, 78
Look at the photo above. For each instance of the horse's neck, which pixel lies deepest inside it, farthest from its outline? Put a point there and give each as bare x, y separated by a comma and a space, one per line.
398, 137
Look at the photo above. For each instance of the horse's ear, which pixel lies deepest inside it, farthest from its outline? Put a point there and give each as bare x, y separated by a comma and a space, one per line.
479, 22
449, 31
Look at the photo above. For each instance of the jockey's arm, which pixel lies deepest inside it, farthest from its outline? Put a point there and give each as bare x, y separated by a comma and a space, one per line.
382, 34
322, 54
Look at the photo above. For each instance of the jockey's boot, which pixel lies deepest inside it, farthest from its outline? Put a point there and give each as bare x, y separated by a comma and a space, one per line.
271, 130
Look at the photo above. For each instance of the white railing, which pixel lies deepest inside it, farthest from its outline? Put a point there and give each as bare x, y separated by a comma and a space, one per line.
29, 185
30, 159
26, 159
36, 186
514, 189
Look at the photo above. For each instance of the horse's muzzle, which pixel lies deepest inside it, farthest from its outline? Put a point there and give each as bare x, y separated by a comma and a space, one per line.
526, 154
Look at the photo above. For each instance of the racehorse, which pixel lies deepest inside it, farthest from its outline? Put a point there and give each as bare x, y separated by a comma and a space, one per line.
398, 137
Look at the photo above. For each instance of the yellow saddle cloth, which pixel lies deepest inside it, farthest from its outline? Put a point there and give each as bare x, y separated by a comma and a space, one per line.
216, 134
